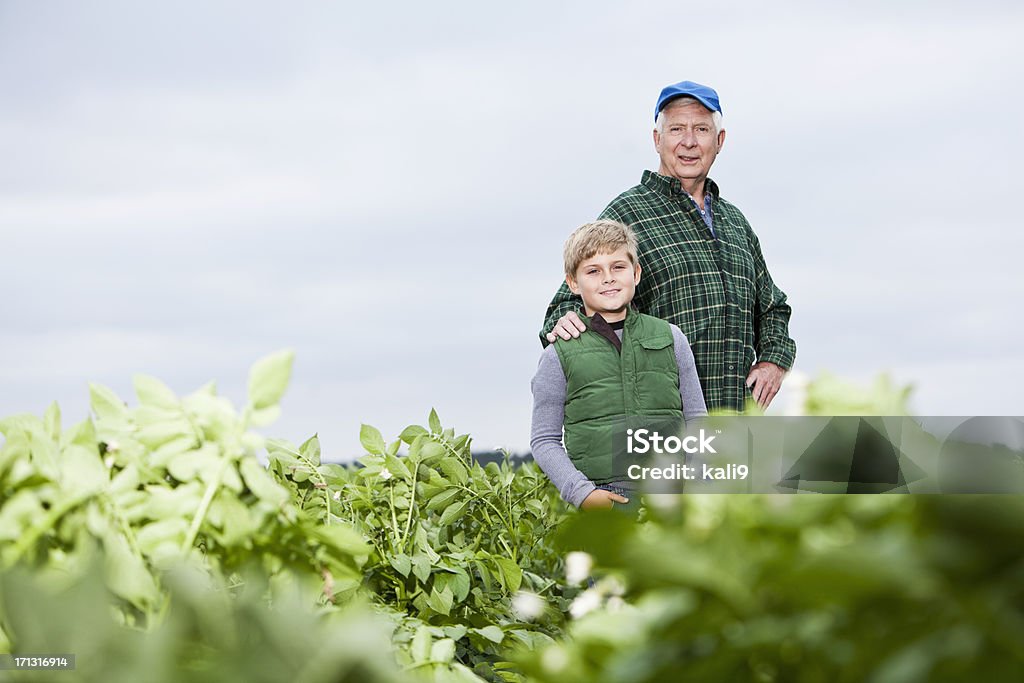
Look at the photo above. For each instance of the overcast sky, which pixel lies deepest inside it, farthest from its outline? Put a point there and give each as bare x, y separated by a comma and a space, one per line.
385, 188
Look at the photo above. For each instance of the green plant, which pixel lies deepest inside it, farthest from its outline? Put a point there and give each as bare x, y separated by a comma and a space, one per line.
453, 542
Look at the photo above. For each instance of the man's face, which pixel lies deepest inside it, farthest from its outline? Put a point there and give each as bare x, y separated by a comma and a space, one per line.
607, 283
687, 144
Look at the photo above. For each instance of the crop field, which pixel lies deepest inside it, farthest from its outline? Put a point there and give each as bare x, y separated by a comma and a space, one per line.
151, 543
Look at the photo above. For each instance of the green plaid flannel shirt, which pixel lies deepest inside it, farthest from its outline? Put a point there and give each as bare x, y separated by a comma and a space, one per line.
718, 291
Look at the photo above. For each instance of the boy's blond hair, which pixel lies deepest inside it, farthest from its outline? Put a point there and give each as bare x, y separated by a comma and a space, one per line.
599, 237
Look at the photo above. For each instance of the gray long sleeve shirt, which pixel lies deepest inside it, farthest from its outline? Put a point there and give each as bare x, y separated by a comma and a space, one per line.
549, 389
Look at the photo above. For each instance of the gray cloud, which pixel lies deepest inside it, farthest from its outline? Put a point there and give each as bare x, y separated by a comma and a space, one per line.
387, 191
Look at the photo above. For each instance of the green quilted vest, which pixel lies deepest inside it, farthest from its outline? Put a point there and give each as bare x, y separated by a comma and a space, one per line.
607, 390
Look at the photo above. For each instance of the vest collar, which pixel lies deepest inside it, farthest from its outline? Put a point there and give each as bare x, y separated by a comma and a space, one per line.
601, 326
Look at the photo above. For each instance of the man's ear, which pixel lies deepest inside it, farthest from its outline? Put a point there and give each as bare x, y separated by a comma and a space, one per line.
656, 139
721, 139
636, 275
573, 286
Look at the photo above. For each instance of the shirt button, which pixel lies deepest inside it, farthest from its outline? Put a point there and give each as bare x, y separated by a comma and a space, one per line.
732, 367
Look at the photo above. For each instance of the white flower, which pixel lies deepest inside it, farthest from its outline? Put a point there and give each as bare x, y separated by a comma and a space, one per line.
527, 606
663, 501
337, 495
385, 474
615, 604
554, 659
577, 567
611, 585
585, 602
113, 446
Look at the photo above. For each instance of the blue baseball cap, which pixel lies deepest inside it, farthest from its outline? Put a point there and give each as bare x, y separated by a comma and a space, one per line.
702, 93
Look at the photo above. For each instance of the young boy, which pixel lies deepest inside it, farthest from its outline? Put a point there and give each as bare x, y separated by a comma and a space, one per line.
624, 358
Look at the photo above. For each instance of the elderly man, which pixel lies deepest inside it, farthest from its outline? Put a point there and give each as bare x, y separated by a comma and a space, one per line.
702, 263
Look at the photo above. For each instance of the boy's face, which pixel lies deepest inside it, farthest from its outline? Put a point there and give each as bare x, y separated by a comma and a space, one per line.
607, 283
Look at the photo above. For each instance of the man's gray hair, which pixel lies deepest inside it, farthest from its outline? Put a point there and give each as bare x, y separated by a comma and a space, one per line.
716, 116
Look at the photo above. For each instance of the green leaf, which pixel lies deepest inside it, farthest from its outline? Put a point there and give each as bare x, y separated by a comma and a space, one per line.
264, 417
455, 580
201, 463
442, 499
440, 601
421, 568
511, 575
455, 632
402, 564
342, 538
420, 648
163, 537
82, 471
157, 434
237, 522
261, 483
269, 378
443, 650
51, 421
397, 467
371, 439
310, 448
455, 470
452, 513
163, 501
410, 433
105, 403
127, 575
150, 392
17, 514
434, 421
492, 633
432, 451
83, 434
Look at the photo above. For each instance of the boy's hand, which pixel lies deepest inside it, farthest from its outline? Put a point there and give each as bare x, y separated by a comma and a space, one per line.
764, 381
567, 327
601, 499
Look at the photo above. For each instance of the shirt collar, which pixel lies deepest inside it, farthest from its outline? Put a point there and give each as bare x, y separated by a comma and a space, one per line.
671, 186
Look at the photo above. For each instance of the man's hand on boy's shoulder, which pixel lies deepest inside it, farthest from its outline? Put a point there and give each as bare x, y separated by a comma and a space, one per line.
601, 499
568, 327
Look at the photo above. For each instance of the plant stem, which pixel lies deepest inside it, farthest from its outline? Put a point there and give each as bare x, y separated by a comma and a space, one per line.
204, 506
320, 478
504, 522
45, 524
412, 507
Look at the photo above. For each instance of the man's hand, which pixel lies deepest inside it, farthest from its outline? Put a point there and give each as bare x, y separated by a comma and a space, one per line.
601, 499
764, 381
567, 327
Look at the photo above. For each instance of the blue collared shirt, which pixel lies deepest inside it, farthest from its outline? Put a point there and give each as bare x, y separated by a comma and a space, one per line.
707, 213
